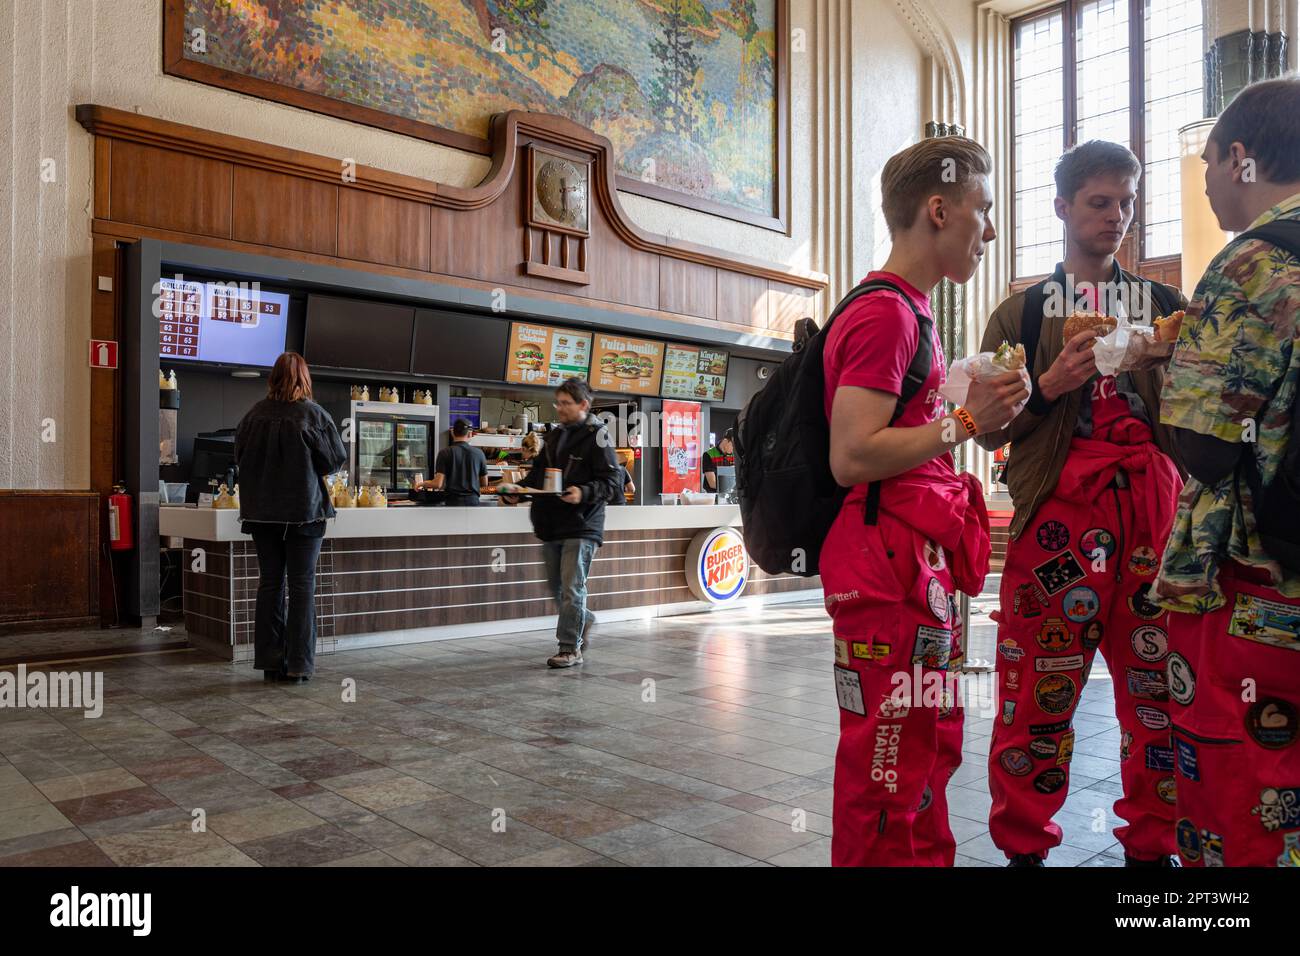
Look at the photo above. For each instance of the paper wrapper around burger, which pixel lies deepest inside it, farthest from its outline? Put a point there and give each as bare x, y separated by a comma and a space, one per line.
966, 370
1130, 348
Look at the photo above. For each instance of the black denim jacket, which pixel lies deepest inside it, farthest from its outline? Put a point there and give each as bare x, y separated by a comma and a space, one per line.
283, 450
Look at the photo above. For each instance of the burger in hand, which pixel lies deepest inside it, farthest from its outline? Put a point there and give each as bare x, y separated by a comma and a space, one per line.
1080, 322
1009, 359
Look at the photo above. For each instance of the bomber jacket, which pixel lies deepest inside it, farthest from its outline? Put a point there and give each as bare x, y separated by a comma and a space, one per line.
585, 455
1040, 435
283, 450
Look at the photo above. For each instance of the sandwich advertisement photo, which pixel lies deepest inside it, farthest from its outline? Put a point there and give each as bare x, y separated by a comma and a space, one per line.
695, 373
632, 366
542, 355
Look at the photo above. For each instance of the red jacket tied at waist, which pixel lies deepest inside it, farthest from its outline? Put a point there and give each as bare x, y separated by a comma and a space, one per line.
950, 513
1153, 478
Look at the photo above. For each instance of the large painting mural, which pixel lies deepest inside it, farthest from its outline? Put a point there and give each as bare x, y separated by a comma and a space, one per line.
687, 90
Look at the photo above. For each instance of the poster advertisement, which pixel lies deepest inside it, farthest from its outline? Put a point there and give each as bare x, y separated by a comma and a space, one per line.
630, 366
681, 444
542, 355
694, 372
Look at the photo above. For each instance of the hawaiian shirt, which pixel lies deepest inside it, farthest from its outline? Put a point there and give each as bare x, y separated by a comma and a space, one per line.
1233, 373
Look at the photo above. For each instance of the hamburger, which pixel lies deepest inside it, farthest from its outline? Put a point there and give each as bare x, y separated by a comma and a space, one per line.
1167, 327
608, 363
529, 358
1080, 322
1008, 358
701, 390
647, 366
627, 365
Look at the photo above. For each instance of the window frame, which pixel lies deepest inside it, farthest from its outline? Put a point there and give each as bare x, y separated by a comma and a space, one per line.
1067, 10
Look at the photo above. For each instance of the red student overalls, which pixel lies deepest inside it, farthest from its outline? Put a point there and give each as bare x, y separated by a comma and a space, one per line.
1077, 579
890, 591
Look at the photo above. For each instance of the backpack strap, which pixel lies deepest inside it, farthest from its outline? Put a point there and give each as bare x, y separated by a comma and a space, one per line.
1031, 330
913, 381
1283, 233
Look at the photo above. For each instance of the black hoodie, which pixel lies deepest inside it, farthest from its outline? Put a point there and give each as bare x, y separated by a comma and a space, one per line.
585, 454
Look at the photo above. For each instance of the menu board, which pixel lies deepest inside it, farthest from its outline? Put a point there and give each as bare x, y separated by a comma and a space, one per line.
627, 365
695, 373
541, 355
219, 322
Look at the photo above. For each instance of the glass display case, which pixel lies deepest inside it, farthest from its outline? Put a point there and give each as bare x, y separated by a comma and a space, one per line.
392, 443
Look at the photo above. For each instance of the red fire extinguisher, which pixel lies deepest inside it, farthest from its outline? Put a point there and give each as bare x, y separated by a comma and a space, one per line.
120, 537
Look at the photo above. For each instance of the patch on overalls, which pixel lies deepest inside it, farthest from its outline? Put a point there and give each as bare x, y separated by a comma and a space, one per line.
1125, 745
1182, 681
842, 652
933, 647
1013, 678
1052, 536
1067, 749
1144, 561
1081, 605
1272, 723
1279, 808
937, 598
1189, 840
1048, 665
1150, 643
1055, 694
1141, 606
1159, 758
1050, 780
1097, 539
1167, 790
1149, 685
1212, 849
1152, 718
1058, 572
870, 650
1029, 601
1058, 727
1092, 635
1044, 748
848, 690
1054, 636
1267, 622
1010, 649
934, 556
1016, 762
1290, 850
1185, 756
1008, 712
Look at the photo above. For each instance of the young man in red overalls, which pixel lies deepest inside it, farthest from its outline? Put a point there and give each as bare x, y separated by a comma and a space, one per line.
911, 532
1094, 494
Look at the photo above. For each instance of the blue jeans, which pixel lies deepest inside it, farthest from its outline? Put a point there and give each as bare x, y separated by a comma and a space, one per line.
286, 641
567, 564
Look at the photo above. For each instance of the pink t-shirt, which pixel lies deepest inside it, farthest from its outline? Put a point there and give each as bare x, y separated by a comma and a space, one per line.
871, 345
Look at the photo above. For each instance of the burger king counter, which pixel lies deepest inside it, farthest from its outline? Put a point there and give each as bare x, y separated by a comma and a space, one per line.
409, 575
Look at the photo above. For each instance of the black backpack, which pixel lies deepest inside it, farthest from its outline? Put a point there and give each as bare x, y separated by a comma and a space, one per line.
1277, 505
788, 497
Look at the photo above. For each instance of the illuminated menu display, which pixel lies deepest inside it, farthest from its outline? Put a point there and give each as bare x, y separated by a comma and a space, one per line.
235, 324
695, 373
633, 366
541, 355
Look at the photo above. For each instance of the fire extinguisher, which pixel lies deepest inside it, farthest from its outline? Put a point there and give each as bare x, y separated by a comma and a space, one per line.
120, 537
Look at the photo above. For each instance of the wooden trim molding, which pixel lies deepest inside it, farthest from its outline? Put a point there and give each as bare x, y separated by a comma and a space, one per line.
509, 131
176, 64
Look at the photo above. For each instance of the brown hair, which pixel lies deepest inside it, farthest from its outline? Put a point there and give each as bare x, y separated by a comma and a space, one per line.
290, 379
1093, 158
1265, 119
576, 388
943, 165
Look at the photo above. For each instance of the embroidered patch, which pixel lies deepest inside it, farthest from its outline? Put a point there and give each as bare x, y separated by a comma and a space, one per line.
1147, 684
1044, 748
1029, 600
1185, 757
1016, 762
1066, 753
1167, 790
1053, 536
1008, 712
842, 652
1279, 808
1150, 643
1058, 572
1139, 604
1272, 723
1011, 650
1159, 758
1050, 780
933, 647
848, 690
1094, 540
1144, 561
1081, 605
1055, 694
1152, 718
1047, 665
1189, 840
1182, 682
1054, 636
1092, 635
1267, 622
937, 598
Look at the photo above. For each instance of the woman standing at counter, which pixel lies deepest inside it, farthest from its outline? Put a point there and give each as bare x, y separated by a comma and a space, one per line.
284, 447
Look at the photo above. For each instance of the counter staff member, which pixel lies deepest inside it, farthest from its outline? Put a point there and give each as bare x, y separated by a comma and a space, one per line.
1230, 397
1091, 481
460, 469
284, 447
572, 526
911, 531
721, 455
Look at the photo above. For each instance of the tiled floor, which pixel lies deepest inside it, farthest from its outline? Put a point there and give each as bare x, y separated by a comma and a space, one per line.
692, 740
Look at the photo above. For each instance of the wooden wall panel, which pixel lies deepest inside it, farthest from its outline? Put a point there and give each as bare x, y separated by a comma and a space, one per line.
787, 304
170, 190
688, 288
49, 564
384, 229
286, 211
742, 299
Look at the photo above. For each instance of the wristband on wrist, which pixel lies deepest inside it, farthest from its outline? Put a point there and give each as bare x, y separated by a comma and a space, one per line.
967, 422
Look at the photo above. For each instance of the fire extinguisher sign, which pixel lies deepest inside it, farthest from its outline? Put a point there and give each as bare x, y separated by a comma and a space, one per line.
103, 353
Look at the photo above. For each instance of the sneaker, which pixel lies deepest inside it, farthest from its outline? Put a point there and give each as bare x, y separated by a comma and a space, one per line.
1161, 862
586, 633
1026, 859
565, 659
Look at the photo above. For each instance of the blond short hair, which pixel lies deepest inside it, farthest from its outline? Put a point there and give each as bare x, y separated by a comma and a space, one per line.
943, 165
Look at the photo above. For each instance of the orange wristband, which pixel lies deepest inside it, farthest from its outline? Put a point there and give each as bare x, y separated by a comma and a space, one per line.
966, 420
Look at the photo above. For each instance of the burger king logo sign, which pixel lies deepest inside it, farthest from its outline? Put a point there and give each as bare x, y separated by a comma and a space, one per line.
717, 566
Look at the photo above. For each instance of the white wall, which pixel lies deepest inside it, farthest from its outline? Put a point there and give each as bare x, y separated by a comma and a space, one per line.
64, 52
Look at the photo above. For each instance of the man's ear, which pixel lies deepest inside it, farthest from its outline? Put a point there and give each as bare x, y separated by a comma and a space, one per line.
1237, 153
1061, 207
936, 210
